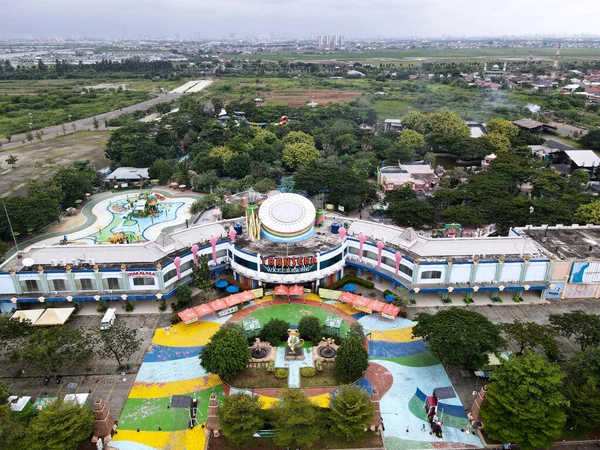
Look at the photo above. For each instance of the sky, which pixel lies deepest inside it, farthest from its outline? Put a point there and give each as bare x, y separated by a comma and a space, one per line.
299, 18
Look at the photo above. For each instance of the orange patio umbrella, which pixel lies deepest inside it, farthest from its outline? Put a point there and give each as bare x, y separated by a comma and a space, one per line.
203, 310
346, 297
218, 304
281, 290
188, 315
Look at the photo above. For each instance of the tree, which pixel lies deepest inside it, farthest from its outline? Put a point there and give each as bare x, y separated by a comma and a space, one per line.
448, 123
298, 137
524, 404
51, 349
119, 341
296, 421
275, 331
503, 127
60, 426
299, 154
352, 358
201, 273
12, 161
161, 170
584, 403
591, 140
410, 141
183, 293
589, 213
531, 335
579, 179
240, 417
413, 213
585, 328
311, 329
64, 128
227, 352
8, 137
416, 121
95, 123
38, 135
459, 336
583, 365
29, 136
498, 142
75, 181
357, 332
463, 214
351, 412
429, 158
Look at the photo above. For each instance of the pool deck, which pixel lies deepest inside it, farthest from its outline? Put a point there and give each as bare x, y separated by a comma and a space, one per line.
401, 369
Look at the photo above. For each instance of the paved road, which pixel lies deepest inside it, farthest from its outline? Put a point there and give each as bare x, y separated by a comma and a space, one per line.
86, 124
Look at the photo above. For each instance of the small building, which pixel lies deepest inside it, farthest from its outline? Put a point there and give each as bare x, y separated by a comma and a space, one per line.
477, 129
533, 126
127, 175
420, 176
582, 159
392, 125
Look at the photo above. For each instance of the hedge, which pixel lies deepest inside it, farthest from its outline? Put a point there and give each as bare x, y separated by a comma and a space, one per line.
351, 279
308, 372
281, 373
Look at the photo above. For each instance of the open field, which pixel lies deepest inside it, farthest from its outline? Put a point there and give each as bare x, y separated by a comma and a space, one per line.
53, 154
294, 98
392, 54
48, 86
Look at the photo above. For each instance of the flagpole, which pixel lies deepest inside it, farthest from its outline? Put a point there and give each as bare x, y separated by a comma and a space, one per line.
10, 226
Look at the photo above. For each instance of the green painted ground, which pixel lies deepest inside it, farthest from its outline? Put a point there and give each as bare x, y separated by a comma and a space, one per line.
416, 407
424, 359
149, 413
394, 443
293, 313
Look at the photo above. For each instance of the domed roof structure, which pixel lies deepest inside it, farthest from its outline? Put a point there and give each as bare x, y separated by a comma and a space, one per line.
287, 218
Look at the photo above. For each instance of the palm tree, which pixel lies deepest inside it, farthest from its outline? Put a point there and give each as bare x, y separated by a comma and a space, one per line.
12, 161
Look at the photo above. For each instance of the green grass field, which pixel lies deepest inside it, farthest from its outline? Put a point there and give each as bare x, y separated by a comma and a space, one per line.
293, 313
566, 53
48, 86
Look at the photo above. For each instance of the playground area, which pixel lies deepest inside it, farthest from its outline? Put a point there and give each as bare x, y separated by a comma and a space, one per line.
129, 218
405, 374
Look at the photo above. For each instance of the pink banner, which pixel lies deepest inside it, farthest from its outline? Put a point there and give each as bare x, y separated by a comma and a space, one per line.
195, 249
232, 235
379, 250
342, 233
398, 259
177, 262
361, 239
213, 243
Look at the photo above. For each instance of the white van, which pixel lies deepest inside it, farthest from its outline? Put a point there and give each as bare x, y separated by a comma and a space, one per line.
108, 319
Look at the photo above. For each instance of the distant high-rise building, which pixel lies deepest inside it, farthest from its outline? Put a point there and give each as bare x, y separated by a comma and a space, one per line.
334, 40
327, 40
321, 40
342, 40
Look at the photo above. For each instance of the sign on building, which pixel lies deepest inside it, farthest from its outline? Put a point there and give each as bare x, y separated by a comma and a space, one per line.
288, 265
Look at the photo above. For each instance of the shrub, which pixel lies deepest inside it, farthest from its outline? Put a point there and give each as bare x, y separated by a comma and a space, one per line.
175, 319
77, 306
271, 366
357, 331
102, 307
183, 293
275, 331
318, 365
227, 352
352, 358
281, 373
352, 279
308, 372
163, 305
128, 306
310, 328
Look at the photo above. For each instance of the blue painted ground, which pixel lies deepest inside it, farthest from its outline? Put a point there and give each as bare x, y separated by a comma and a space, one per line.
385, 349
157, 353
167, 371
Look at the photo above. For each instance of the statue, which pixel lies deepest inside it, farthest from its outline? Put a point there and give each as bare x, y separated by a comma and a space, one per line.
294, 340
258, 350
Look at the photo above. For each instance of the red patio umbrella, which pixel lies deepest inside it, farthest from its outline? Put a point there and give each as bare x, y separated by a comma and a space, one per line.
281, 290
218, 304
203, 310
297, 290
391, 310
376, 305
346, 297
188, 315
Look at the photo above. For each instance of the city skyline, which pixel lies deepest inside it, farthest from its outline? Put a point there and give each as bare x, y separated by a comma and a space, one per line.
295, 18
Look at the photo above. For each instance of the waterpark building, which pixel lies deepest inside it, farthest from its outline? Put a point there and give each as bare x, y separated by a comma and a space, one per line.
285, 240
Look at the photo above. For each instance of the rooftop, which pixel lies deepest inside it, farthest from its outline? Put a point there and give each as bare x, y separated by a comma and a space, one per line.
128, 173
583, 158
528, 123
566, 242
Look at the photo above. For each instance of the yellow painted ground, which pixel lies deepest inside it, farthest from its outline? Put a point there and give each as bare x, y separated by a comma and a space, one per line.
397, 335
182, 335
166, 440
345, 307
158, 390
313, 297
310, 297
318, 400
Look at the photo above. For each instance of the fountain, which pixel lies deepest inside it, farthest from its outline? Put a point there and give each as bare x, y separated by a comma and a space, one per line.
258, 349
327, 351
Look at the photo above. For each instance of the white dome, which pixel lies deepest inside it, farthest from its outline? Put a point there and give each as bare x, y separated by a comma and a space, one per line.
287, 217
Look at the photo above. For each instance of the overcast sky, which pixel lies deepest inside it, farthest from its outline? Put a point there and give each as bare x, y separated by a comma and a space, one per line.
352, 18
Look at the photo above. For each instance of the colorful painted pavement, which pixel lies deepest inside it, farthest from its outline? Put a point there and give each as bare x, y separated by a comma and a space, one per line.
401, 369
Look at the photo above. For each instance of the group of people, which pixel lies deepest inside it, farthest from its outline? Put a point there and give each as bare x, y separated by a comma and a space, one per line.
435, 423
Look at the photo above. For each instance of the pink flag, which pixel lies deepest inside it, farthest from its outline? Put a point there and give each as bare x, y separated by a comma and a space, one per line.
177, 262
361, 238
379, 250
232, 234
398, 259
195, 249
342, 233
213, 243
